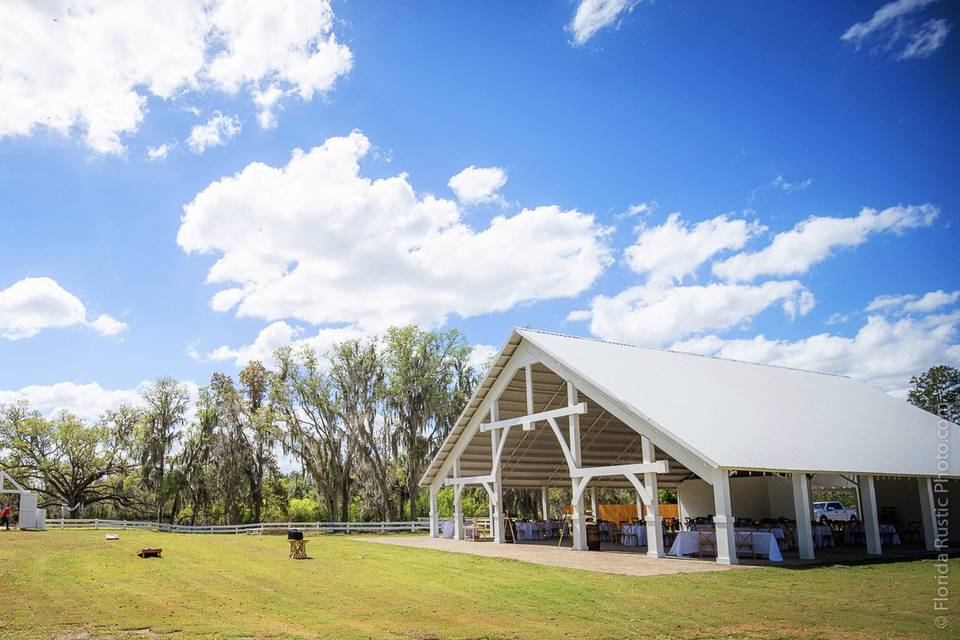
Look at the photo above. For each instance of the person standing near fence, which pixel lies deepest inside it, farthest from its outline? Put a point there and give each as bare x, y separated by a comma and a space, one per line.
5, 517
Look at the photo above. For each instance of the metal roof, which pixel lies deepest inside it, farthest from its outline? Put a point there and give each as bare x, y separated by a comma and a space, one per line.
732, 414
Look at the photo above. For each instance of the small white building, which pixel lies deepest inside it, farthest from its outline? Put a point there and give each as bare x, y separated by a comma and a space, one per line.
736, 439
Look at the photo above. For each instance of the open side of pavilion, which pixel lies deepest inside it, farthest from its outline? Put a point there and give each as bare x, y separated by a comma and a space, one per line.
735, 439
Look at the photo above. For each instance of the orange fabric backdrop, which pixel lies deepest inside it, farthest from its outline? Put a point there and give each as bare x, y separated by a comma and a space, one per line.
626, 512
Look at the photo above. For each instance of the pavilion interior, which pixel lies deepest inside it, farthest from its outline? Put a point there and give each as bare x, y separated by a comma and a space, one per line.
533, 459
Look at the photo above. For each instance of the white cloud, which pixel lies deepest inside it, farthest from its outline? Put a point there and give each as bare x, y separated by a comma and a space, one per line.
814, 240
317, 241
85, 400
911, 303
476, 185
280, 334
479, 356
107, 326
92, 66
158, 153
213, 133
88, 401
884, 353
593, 15
31, 305
883, 17
927, 39
657, 315
675, 249
789, 187
642, 208
894, 23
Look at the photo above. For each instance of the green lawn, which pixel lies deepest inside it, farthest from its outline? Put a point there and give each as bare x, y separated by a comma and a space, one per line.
75, 584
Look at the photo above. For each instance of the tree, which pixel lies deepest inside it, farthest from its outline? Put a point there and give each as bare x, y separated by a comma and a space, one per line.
166, 403
313, 429
937, 391
421, 379
357, 380
66, 460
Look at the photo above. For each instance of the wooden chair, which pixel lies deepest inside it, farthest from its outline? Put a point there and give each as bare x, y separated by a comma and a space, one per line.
706, 541
913, 532
744, 540
298, 549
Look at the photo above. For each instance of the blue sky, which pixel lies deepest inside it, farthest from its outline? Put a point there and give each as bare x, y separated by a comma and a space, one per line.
721, 125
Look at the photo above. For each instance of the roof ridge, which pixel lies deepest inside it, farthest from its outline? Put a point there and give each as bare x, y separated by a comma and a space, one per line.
682, 353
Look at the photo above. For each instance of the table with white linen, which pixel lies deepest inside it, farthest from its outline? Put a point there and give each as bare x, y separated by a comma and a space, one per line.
855, 533
765, 543
448, 528
530, 530
822, 536
634, 535
888, 534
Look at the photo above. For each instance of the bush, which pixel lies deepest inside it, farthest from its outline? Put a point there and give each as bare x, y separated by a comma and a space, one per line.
303, 510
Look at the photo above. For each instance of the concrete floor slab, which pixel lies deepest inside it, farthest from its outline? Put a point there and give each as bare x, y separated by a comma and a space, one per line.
624, 562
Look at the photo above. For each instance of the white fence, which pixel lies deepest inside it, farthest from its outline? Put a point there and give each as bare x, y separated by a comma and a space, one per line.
253, 529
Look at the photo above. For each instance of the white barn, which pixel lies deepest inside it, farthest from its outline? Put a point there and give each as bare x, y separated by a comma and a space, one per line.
735, 439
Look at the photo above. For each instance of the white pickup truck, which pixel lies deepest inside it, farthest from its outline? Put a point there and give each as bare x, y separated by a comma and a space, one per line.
833, 511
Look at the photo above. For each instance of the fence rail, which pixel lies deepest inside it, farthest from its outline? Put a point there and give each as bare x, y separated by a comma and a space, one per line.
253, 529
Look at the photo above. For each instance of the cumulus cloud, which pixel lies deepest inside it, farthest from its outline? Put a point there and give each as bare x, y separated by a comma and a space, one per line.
316, 241
31, 305
884, 352
280, 334
480, 355
911, 303
813, 240
895, 27
593, 15
657, 315
476, 185
92, 66
675, 249
158, 153
213, 133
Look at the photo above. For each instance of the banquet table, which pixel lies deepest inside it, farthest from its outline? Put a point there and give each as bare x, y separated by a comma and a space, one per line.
763, 541
822, 536
854, 532
634, 535
530, 530
448, 528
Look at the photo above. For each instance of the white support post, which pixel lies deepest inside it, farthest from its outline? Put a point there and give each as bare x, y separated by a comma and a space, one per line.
434, 513
723, 518
545, 503
496, 521
928, 513
593, 504
578, 521
871, 516
528, 378
458, 532
654, 521
801, 506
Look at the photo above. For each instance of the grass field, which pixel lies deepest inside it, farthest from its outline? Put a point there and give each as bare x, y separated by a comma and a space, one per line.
75, 584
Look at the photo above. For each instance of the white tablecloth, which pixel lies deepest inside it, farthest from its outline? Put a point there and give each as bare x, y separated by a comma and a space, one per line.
822, 536
855, 532
634, 535
764, 542
530, 530
448, 528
